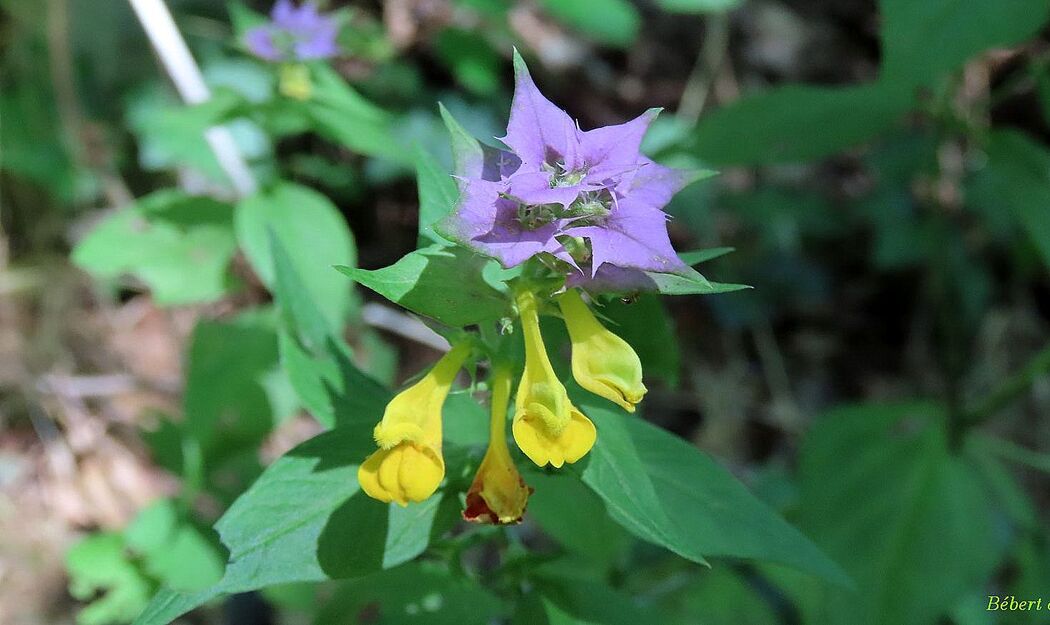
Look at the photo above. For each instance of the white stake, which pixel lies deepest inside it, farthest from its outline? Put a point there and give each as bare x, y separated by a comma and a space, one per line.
178, 62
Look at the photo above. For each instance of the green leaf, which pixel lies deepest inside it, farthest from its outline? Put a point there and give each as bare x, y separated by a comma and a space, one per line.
173, 550
228, 404
667, 492
306, 519
98, 564
178, 244
172, 135
470, 57
909, 520
244, 19
314, 235
696, 257
572, 601
437, 195
923, 40
441, 282
343, 115
721, 596
317, 362
1017, 178
688, 283
561, 505
797, 123
698, 6
610, 22
468, 154
423, 593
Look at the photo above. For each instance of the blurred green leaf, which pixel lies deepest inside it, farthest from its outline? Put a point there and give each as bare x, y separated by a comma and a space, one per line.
441, 282
561, 505
173, 550
1017, 177
227, 404
178, 244
923, 40
343, 115
32, 148
470, 57
720, 596
797, 123
101, 572
609, 22
244, 19
317, 361
172, 134
314, 235
910, 520
667, 492
698, 6
573, 601
413, 593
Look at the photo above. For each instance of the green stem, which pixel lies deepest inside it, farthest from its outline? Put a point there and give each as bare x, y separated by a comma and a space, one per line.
192, 470
1014, 386
1013, 452
708, 63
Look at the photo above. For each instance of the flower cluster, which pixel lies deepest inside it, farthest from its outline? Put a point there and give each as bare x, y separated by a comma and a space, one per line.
547, 427
589, 199
576, 211
294, 34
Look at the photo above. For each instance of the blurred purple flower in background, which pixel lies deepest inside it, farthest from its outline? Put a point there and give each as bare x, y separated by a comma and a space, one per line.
294, 34
589, 198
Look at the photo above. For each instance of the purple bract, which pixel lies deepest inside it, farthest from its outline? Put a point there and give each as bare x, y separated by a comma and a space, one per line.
589, 198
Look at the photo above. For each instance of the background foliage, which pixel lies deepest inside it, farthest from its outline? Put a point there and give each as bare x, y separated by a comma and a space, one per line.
187, 385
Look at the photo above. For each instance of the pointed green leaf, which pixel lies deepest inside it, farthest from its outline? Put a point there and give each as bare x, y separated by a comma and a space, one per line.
882, 493
314, 235
437, 195
178, 244
666, 491
317, 362
444, 283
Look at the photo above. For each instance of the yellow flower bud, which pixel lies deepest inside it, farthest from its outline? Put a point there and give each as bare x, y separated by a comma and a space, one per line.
547, 427
293, 81
498, 495
408, 465
602, 362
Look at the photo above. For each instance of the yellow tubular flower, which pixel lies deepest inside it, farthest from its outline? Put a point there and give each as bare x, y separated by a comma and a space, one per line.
408, 465
547, 427
498, 495
602, 362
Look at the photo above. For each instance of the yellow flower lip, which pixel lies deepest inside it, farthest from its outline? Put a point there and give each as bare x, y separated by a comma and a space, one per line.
602, 362
544, 447
408, 465
547, 427
498, 495
403, 473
